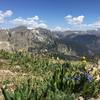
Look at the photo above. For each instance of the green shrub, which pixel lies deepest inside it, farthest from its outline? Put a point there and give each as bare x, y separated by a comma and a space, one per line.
59, 81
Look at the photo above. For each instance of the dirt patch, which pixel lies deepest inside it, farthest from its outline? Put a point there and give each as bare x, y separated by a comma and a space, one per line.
4, 75
6, 72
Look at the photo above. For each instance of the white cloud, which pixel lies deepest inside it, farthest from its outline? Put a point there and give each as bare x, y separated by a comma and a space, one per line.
43, 25
74, 20
32, 22
92, 26
8, 13
59, 28
4, 15
96, 24
77, 23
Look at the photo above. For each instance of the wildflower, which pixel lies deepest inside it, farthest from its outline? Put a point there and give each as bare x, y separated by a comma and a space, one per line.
88, 77
81, 69
86, 68
83, 58
84, 61
57, 58
90, 69
94, 70
98, 77
77, 78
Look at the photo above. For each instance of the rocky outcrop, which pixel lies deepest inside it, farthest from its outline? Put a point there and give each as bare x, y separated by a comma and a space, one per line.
80, 43
5, 45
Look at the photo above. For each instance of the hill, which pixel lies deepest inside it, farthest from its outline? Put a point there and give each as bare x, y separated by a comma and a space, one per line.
39, 40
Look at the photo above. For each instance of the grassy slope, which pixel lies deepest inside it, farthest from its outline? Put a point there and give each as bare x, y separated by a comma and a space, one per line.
41, 70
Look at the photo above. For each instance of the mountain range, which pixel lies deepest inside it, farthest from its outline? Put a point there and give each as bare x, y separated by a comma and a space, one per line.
39, 40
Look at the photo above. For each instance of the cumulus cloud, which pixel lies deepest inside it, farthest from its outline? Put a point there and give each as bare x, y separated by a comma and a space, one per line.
92, 26
77, 23
32, 22
4, 15
74, 20
96, 24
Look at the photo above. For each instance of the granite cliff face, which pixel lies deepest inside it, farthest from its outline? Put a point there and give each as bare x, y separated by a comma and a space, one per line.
42, 40
21, 37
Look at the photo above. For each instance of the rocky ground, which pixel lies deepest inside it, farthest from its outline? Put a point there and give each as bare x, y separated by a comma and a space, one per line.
4, 75
7, 74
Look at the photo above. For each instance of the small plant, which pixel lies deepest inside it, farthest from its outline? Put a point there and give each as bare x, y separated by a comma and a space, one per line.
73, 80
22, 92
51, 81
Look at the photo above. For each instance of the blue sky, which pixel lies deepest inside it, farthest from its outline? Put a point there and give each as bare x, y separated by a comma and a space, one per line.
58, 14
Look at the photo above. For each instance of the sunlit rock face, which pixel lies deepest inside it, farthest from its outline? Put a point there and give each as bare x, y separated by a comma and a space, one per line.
81, 43
4, 45
4, 40
4, 35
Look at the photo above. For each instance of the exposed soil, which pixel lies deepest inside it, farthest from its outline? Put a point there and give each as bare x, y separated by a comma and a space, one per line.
4, 75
